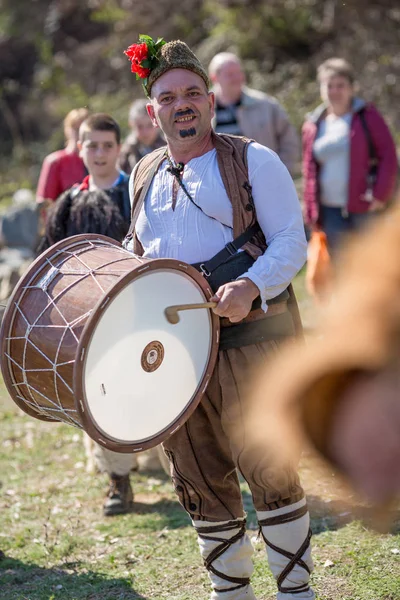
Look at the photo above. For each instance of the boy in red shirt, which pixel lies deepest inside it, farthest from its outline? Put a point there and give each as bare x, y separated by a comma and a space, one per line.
99, 145
63, 168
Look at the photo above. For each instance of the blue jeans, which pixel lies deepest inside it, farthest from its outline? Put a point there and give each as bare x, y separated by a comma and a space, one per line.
336, 226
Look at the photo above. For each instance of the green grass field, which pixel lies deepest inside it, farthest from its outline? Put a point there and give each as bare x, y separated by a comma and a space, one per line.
56, 544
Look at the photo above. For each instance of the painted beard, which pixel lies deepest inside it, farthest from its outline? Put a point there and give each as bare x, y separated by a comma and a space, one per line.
187, 132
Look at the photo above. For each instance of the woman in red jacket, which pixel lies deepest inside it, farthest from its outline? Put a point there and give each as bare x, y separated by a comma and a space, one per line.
349, 156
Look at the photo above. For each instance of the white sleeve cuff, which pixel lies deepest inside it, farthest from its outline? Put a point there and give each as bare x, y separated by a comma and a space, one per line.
260, 284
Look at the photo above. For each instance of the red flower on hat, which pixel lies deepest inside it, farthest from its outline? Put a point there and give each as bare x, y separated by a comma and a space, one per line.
136, 54
144, 56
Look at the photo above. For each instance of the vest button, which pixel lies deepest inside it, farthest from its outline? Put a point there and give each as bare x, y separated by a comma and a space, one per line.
249, 207
192, 506
179, 488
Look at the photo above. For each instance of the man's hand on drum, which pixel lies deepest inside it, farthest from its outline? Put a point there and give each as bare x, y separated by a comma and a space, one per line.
235, 299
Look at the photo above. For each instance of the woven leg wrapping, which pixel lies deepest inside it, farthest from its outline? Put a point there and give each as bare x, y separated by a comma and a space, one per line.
286, 532
227, 552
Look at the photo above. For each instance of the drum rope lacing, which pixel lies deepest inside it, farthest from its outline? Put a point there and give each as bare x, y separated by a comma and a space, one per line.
56, 406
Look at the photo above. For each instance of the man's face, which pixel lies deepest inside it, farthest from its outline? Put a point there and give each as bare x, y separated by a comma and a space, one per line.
230, 78
99, 151
144, 129
181, 105
336, 91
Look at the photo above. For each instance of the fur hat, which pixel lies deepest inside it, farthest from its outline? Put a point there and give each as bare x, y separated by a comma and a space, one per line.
159, 57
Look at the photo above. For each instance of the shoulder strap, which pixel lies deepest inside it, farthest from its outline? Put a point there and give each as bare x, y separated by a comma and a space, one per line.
373, 159
143, 193
237, 145
229, 250
146, 187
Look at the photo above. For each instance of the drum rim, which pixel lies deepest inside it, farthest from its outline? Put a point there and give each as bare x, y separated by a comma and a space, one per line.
81, 404
9, 313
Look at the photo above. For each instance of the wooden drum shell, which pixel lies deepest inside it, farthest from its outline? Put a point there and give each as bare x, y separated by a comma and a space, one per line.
51, 320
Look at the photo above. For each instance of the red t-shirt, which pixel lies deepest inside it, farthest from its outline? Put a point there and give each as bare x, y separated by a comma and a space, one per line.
60, 171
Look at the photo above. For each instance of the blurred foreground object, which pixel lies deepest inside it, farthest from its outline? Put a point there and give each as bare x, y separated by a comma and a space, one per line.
319, 269
340, 392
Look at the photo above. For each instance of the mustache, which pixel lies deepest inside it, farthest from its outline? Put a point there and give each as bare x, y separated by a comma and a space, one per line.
184, 113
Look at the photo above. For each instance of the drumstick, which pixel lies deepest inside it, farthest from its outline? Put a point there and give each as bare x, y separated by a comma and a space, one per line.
171, 312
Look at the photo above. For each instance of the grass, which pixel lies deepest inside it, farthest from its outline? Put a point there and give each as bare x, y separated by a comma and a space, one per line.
58, 546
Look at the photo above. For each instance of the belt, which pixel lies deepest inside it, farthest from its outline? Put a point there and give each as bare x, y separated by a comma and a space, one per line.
257, 314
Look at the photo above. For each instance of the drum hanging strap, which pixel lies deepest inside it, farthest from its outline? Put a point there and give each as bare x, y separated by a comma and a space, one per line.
229, 250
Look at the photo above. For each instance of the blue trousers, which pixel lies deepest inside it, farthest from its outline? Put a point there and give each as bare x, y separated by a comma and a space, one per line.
336, 225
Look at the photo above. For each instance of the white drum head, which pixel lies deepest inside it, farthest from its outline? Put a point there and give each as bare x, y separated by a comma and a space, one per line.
140, 371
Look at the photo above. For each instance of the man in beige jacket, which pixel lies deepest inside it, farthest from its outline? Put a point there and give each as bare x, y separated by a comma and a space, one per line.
241, 110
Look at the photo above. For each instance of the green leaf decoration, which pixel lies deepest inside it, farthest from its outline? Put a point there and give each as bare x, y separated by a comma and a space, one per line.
152, 46
153, 50
159, 43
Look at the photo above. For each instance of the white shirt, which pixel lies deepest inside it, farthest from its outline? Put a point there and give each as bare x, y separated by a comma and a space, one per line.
332, 151
189, 235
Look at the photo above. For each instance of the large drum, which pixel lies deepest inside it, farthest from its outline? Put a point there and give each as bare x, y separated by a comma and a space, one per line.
85, 340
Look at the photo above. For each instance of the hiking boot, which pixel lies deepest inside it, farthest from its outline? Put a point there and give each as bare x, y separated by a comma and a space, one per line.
119, 498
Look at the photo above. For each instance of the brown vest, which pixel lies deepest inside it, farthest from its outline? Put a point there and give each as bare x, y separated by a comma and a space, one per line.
232, 162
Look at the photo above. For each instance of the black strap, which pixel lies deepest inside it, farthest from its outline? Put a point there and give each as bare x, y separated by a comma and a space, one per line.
229, 250
373, 157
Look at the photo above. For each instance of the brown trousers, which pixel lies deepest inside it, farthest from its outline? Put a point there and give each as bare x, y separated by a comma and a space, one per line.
206, 451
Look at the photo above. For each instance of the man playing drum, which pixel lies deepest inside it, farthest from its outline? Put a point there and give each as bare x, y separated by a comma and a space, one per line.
204, 199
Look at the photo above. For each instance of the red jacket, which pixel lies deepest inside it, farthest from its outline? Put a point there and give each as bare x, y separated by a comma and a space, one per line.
60, 171
359, 159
